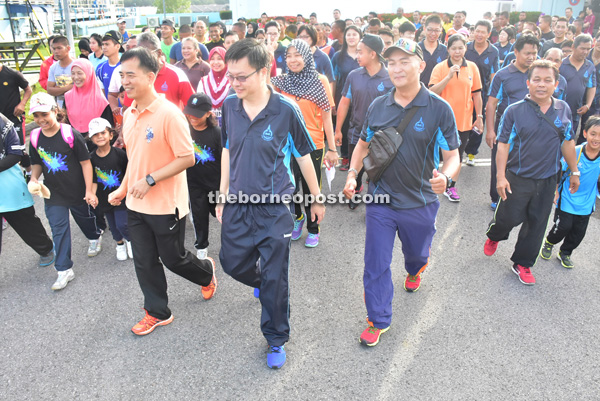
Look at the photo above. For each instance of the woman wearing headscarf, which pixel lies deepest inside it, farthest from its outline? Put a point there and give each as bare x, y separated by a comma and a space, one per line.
251, 30
215, 84
86, 100
311, 91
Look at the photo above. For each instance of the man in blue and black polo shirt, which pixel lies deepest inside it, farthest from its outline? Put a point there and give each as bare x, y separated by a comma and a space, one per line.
362, 86
486, 57
411, 182
261, 131
580, 74
508, 86
434, 52
532, 134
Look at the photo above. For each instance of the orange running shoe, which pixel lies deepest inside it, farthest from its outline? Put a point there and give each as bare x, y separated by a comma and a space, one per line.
209, 291
148, 324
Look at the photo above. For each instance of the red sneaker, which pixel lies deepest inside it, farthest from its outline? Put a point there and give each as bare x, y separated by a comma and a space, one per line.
489, 248
412, 283
370, 337
524, 274
209, 291
148, 324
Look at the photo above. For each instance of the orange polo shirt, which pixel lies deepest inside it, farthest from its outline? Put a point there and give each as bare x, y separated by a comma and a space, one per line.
313, 117
459, 91
154, 138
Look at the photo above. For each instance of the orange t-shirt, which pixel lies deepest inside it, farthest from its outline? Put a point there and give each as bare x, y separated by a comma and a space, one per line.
459, 91
154, 138
313, 117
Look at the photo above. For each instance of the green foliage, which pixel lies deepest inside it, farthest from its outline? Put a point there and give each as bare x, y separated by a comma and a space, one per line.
226, 14
531, 16
173, 6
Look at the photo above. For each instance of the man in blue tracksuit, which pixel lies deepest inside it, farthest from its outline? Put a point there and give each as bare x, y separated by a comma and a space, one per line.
261, 131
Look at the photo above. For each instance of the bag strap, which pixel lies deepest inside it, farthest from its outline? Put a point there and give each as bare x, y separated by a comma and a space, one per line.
537, 108
406, 120
67, 133
35, 136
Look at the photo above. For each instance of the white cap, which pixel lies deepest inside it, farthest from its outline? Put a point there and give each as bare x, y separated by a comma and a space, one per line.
121, 20
41, 102
97, 125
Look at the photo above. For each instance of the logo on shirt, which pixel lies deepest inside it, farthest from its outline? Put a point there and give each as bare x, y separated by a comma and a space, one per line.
279, 59
419, 125
268, 134
381, 87
558, 123
109, 179
439, 59
105, 75
54, 162
149, 134
164, 87
5, 83
486, 61
587, 74
203, 154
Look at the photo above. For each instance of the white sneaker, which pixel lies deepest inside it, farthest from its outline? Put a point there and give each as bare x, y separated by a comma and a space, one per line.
129, 251
4, 224
121, 252
202, 253
95, 246
470, 160
63, 279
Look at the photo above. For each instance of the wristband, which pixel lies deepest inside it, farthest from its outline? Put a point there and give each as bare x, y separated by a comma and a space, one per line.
353, 170
576, 173
332, 150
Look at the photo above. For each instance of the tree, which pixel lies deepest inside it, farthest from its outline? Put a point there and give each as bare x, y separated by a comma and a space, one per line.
173, 6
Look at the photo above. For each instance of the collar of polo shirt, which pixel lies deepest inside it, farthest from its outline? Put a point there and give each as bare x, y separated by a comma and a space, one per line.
463, 64
420, 100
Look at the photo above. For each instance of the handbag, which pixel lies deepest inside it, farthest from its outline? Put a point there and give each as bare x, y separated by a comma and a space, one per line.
384, 147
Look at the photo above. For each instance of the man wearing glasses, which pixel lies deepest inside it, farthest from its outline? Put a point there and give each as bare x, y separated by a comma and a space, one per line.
272, 31
434, 52
261, 131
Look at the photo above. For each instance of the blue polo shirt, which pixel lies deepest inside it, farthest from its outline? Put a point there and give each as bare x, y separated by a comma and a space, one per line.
577, 83
559, 92
323, 64
104, 72
431, 60
582, 202
362, 89
342, 64
508, 86
534, 144
177, 55
487, 63
261, 150
279, 55
596, 102
406, 180
503, 50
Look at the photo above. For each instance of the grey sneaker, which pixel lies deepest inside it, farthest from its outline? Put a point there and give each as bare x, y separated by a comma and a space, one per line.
63, 279
565, 260
47, 260
95, 246
546, 250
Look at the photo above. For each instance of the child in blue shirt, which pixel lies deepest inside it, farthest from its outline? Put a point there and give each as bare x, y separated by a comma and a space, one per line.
573, 210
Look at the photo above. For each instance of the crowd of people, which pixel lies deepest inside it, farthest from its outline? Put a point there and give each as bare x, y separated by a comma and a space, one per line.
143, 130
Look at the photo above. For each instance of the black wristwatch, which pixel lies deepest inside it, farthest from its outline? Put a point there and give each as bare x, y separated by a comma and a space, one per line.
150, 180
448, 180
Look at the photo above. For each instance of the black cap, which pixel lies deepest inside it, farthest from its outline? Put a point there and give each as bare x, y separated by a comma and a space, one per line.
198, 105
375, 43
408, 46
170, 23
114, 35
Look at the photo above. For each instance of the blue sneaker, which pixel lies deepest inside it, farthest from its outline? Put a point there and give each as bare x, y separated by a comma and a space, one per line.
312, 240
256, 292
276, 357
298, 224
494, 205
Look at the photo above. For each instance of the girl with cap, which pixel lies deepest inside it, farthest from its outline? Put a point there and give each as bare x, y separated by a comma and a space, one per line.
311, 91
109, 164
204, 177
59, 152
216, 85
458, 82
86, 100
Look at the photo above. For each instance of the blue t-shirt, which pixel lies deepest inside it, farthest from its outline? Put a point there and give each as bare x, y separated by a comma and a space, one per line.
14, 194
431, 60
596, 103
177, 55
508, 86
487, 63
559, 92
406, 180
534, 144
582, 202
342, 64
261, 150
323, 64
577, 83
503, 50
362, 89
104, 72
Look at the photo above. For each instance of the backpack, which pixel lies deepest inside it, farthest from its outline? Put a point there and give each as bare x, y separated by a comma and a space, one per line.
65, 129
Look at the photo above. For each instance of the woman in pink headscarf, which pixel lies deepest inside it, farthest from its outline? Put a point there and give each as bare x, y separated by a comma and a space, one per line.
86, 100
215, 84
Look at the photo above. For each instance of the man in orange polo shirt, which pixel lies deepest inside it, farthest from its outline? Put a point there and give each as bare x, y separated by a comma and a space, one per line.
159, 147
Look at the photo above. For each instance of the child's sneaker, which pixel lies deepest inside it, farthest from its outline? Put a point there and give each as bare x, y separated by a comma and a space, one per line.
370, 337
546, 250
524, 273
129, 250
276, 357
209, 291
63, 279
312, 240
148, 324
489, 248
47, 260
298, 224
470, 160
121, 251
452, 195
202, 253
565, 260
95, 246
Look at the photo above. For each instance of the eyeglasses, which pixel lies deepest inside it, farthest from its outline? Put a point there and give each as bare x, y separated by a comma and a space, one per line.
240, 78
303, 37
272, 34
434, 30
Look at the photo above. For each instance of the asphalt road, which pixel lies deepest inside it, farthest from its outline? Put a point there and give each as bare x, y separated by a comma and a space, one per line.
472, 332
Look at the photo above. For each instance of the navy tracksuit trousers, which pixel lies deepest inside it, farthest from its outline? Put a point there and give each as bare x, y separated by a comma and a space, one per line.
250, 232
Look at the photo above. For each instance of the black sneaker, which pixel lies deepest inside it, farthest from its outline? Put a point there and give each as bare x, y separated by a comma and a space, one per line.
565, 260
546, 250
